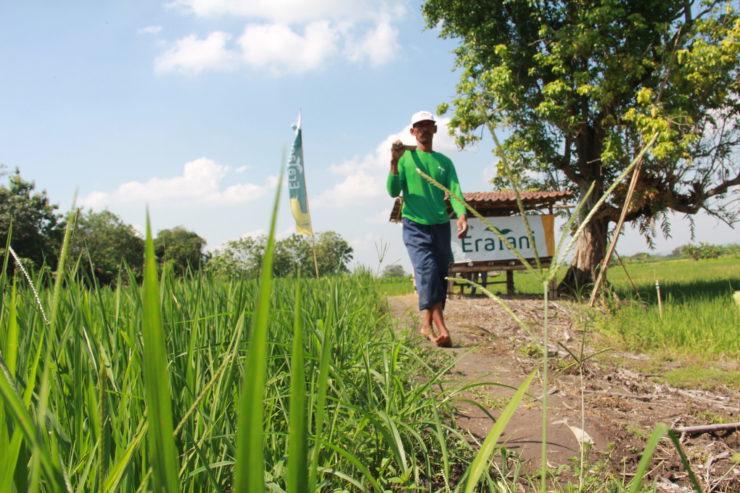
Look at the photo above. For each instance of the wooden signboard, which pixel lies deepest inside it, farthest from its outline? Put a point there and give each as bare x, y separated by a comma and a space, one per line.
481, 244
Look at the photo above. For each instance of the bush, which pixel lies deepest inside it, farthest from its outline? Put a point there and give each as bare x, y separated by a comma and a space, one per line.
393, 270
702, 251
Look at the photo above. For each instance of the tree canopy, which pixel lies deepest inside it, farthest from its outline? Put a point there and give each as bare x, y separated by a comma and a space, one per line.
35, 227
393, 270
104, 244
242, 258
181, 248
580, 86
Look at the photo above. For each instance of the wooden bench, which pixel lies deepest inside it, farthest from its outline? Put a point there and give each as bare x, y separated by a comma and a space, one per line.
485, 273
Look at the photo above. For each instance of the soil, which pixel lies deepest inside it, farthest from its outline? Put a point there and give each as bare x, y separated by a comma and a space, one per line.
605, 403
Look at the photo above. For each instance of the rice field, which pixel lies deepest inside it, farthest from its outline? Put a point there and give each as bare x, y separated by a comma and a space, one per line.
82, 395
696, 313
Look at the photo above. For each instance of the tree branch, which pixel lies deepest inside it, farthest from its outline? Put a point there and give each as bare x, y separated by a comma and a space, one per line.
693, 202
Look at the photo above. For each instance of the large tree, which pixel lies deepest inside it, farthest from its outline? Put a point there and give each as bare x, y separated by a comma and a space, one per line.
105, 244
333, 253
36, 227
580, 86
181, 248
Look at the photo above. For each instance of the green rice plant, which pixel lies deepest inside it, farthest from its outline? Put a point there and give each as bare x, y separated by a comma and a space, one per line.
394, 286
705, 327
297, 481
162, 449
369, 421
249, 466
697, 315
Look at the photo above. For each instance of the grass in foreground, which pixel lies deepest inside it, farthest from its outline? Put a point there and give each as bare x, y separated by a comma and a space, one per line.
379, 427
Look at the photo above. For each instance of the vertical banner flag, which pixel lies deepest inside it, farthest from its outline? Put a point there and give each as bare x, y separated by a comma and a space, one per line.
297, 184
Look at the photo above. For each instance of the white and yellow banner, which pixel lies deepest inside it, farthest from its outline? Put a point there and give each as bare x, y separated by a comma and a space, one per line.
482, 244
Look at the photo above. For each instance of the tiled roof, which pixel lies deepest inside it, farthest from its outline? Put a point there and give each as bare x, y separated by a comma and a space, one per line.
482, 198
500, 203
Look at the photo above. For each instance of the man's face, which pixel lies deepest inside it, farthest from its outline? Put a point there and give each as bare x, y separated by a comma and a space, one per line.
424, 131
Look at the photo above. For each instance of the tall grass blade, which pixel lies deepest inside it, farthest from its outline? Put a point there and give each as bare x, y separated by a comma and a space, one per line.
355, 461
483, 456
545, 389
17, 412
684, 460
321, 390
10, 344
249, 468
61, 265
115, 473
660, 430
297, 438
10, 350
162, 451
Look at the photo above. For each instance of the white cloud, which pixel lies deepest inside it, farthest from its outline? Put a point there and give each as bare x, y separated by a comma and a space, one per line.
377, 46
489, 173
280, 49
381, 217
193, 55
293, 11
199, 183
150, 30
288, 36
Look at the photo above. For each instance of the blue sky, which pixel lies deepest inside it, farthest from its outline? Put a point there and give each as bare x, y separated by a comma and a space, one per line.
186, 106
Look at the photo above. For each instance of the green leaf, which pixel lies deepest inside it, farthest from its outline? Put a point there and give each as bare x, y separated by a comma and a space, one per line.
249, 468
489, 444
660, 430
297, 441
162, 451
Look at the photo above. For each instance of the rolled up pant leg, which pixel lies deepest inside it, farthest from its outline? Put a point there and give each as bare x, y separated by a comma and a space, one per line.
430, 254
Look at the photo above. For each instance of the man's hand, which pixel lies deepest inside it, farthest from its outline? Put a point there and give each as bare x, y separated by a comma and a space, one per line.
462, 225
397, 150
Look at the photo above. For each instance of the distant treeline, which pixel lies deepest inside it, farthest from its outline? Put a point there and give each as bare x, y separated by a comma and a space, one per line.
107, 249
698, 251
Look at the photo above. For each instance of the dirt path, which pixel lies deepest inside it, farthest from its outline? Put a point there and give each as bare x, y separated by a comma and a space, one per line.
620, 405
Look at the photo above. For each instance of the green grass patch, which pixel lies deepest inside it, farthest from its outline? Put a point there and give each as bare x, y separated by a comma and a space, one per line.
697, 376
698, 315
395, 286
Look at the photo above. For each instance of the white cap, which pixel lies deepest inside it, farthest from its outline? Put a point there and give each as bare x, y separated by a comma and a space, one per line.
421, 116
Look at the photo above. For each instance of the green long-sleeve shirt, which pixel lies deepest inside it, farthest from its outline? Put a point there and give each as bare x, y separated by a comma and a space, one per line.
423, 202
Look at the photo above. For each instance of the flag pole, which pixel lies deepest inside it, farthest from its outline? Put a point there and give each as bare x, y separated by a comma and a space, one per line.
315, 261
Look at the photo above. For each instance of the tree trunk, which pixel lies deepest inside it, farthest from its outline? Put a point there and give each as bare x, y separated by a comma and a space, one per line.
589, 253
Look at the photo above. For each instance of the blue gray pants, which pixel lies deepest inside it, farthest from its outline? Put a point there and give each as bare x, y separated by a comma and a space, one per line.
430, 252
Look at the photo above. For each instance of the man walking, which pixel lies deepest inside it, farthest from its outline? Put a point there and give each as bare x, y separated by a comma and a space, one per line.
426, 224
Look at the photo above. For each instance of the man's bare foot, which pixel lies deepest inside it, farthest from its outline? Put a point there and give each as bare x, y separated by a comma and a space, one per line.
443, 340
427, 332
